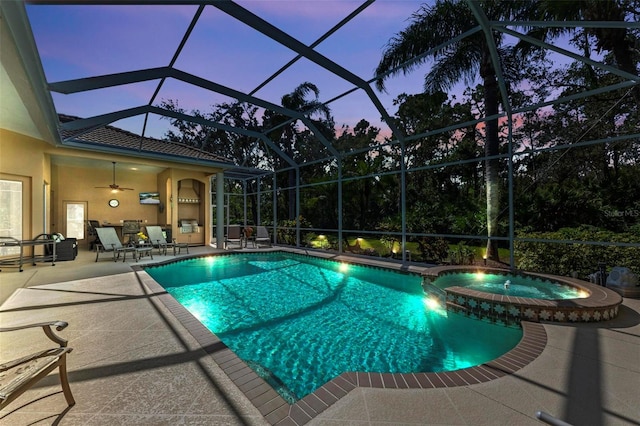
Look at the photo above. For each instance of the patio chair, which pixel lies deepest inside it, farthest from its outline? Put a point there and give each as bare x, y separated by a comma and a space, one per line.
92, 234
158, 240
262, 235
18, 375
234, 235
130, 229
110, 243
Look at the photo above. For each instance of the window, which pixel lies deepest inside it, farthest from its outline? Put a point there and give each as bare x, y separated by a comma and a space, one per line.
75, 219
10, 213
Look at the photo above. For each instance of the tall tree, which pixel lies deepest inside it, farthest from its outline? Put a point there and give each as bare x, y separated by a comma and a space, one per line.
361, 208
621, 42
433, 27
286, 132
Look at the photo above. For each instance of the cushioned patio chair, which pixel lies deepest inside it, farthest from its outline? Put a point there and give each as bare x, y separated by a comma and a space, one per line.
262, 235
158, 240
234, 235
18, 375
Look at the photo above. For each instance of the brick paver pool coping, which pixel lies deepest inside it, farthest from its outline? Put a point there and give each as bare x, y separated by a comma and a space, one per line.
279, 412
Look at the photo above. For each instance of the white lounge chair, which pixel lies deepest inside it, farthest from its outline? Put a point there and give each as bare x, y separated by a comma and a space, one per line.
158, 240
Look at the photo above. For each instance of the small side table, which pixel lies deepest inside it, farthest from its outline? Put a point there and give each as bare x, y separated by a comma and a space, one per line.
138, 250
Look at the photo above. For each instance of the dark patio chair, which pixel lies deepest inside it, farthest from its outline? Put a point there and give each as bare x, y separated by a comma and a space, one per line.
92, 235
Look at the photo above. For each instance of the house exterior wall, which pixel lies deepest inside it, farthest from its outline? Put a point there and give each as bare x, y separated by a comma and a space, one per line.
31, 158
79, 184
25, 158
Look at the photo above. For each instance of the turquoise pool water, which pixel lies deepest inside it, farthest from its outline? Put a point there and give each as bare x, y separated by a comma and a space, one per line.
510, 285
301, 321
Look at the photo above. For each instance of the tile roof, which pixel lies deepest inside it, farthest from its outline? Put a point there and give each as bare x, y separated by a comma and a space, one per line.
114, 137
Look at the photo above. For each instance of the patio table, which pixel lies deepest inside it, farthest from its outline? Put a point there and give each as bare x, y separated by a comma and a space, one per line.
19, 261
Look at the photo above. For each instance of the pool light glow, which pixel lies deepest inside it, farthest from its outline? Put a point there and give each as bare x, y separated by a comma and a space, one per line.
431, 303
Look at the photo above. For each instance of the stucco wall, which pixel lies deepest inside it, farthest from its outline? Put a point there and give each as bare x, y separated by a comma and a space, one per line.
79, 185
27, 157
24, 156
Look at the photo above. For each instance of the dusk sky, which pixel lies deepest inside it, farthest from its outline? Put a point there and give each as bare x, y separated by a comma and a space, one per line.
82, 41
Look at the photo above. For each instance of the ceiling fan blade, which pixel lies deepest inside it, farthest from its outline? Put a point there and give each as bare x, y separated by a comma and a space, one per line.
114, 186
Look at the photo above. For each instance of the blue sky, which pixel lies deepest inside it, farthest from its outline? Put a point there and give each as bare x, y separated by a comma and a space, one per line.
83, 41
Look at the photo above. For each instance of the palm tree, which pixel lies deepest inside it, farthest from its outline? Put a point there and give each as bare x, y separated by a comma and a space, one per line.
288, 136
619, 41
437, 25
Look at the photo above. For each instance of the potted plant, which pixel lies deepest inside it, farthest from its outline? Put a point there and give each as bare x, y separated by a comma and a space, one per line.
142, 238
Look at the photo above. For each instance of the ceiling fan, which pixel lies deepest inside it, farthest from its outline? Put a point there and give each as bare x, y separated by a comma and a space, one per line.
114, 187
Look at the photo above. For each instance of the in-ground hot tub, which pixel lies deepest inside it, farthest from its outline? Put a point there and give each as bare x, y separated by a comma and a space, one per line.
521, 296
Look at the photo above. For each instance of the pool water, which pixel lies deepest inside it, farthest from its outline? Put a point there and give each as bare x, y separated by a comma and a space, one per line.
510, 285
301, 321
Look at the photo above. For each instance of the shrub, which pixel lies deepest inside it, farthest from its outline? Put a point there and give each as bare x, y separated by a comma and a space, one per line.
581, 259
462, 255
435, 249
288, 236
389, 242
370, 252
309, 238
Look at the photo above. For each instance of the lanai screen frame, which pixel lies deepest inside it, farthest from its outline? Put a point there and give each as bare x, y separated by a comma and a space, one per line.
17, 17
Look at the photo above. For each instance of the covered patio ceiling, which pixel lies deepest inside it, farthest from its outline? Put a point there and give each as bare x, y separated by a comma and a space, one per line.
114, 63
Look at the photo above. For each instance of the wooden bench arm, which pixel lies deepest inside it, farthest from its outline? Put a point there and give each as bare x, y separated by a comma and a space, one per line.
46, 326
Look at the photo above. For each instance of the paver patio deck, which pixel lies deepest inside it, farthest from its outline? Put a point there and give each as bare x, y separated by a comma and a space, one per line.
134, 362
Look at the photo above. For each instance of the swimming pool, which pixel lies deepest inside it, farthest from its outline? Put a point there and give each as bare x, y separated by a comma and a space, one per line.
301, 321
511, 285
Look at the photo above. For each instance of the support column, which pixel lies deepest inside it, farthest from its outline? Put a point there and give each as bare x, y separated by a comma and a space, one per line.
244, 202
258, 201
403, 200
297, 207
220, 210
275, 209
512, 261
340, 247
